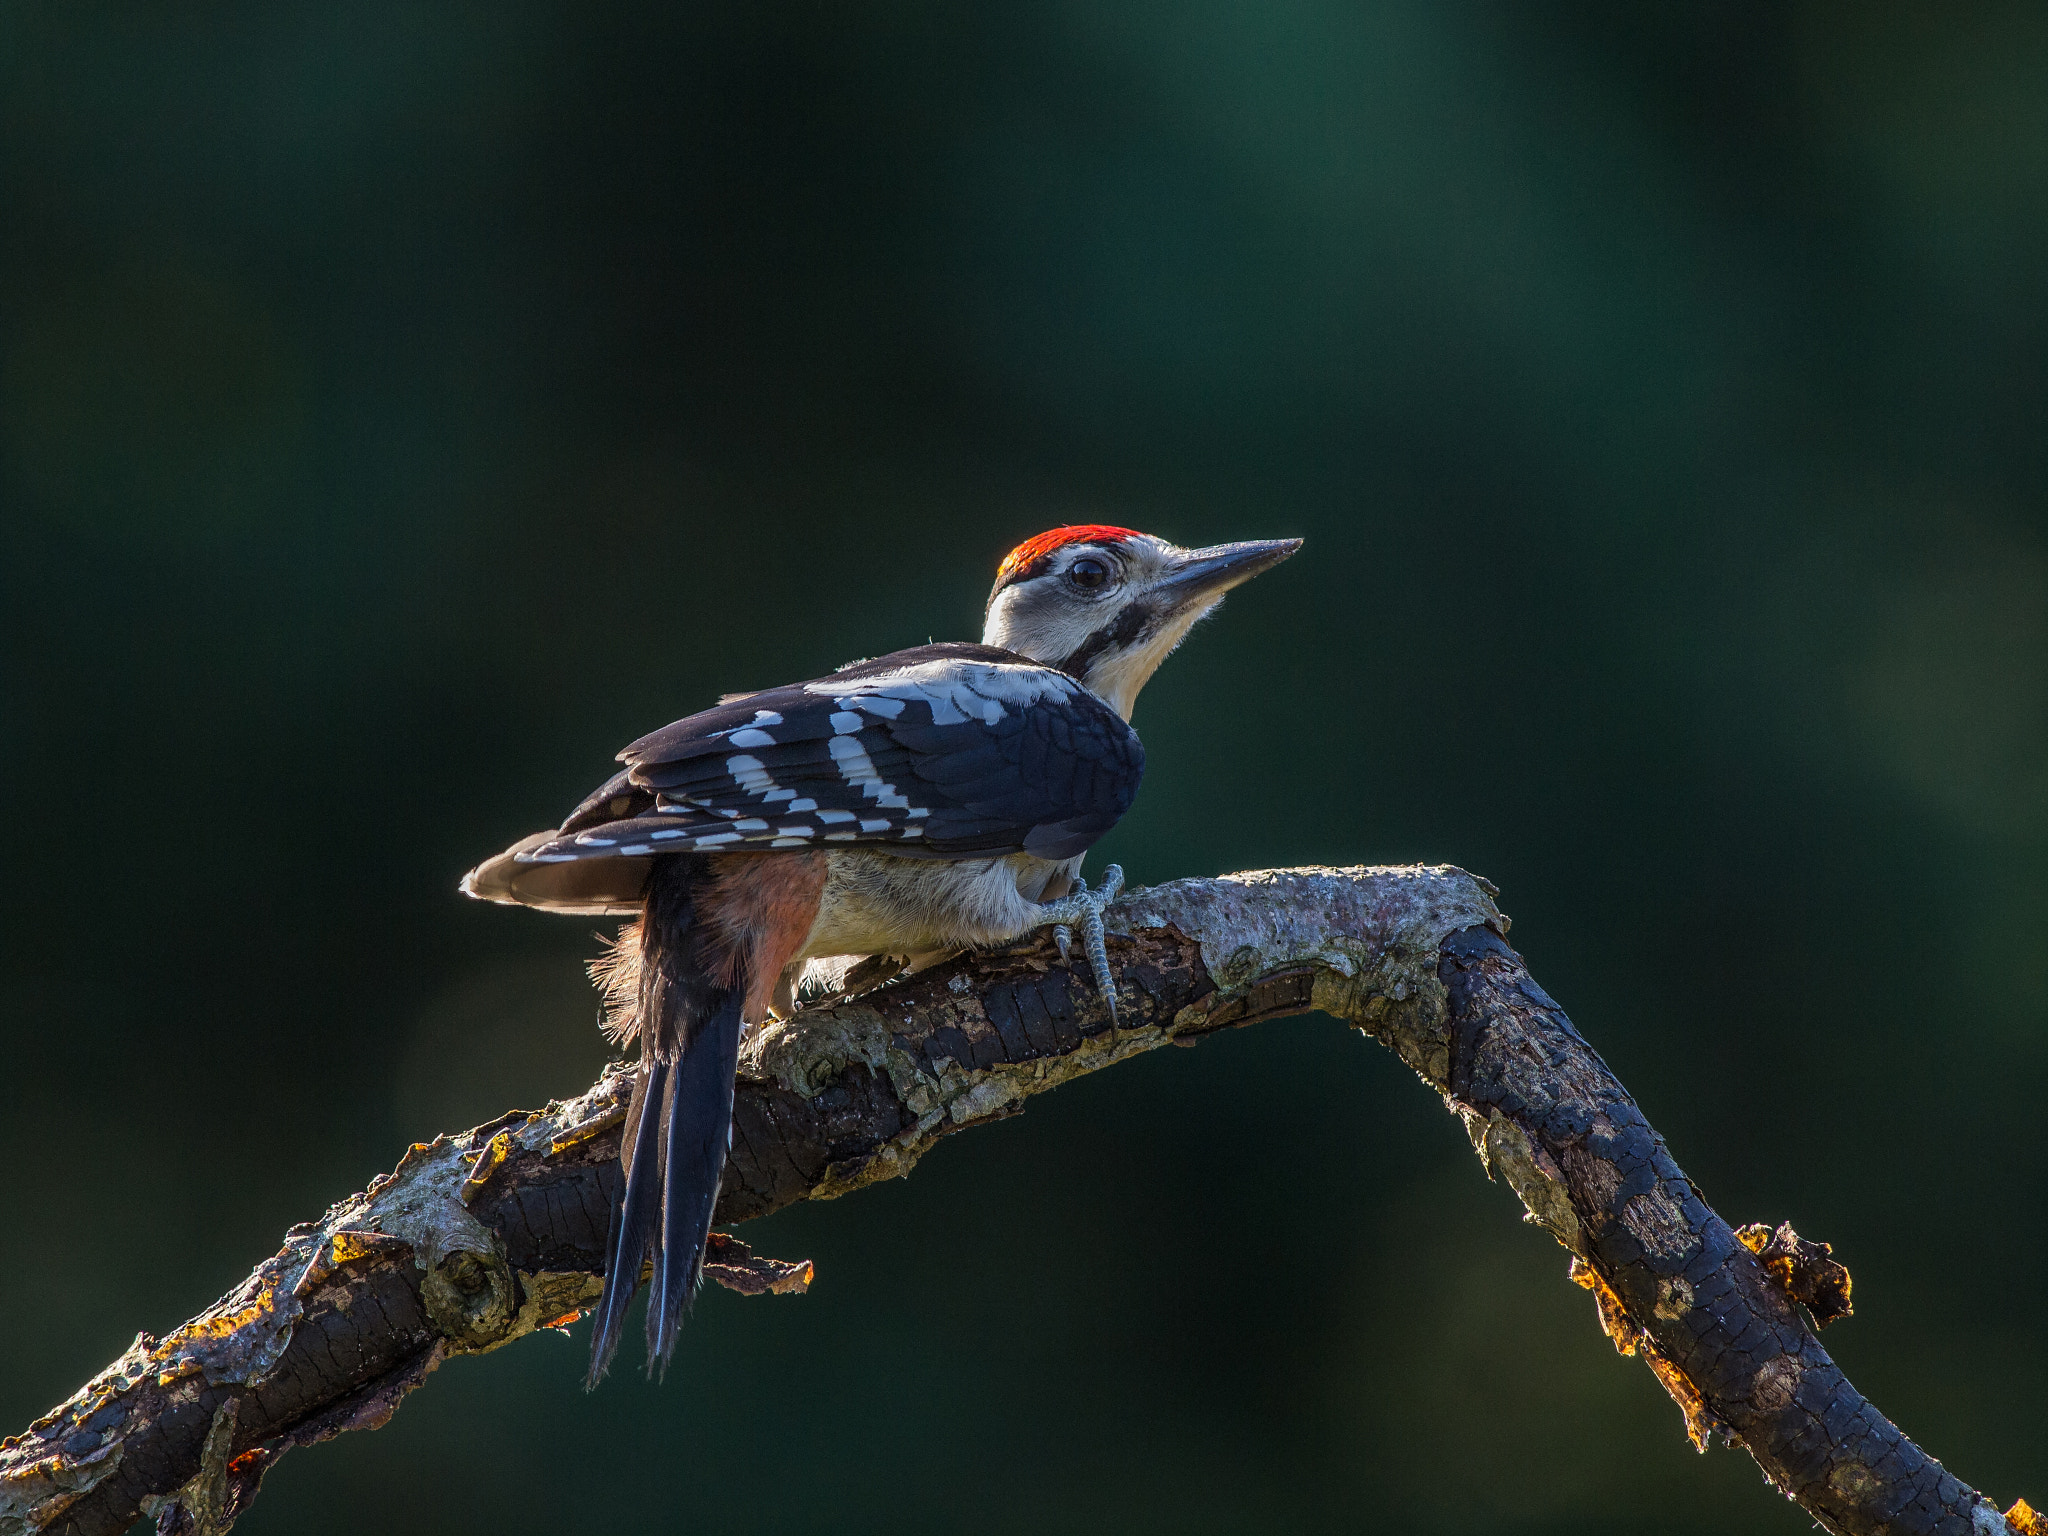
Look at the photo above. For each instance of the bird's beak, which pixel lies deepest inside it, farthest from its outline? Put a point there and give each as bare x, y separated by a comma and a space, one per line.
1209, 573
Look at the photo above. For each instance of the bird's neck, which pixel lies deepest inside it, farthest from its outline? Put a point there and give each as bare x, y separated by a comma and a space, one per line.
1118, 672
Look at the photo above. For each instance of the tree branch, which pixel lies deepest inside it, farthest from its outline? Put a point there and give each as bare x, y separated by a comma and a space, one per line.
476, 1240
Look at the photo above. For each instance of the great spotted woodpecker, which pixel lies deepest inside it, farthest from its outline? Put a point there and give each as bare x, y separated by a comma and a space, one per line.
927, 801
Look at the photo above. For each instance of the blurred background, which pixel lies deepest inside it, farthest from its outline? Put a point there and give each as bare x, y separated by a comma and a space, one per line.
403, 406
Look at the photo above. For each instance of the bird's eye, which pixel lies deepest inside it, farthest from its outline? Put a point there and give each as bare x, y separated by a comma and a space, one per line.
1087, 574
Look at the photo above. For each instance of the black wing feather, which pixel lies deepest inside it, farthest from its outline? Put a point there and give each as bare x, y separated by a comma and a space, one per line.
944, 751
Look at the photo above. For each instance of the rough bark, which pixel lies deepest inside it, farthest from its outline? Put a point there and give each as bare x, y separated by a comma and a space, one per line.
475, 1240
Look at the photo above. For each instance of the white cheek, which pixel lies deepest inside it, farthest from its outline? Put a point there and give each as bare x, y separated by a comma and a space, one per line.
1042, 631
1001, 621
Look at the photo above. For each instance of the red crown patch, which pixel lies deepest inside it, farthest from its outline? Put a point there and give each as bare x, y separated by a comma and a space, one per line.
1027, 558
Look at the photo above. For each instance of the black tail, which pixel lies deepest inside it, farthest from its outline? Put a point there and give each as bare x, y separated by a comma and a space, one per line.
632, 1223
680, 1122
699, 1120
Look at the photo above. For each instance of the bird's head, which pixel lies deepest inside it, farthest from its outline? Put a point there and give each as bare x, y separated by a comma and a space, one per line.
1107, 605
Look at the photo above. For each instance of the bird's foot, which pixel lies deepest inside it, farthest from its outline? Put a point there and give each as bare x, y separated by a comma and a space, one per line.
1083, 908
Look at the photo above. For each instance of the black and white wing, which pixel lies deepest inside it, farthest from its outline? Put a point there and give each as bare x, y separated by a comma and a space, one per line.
944, 751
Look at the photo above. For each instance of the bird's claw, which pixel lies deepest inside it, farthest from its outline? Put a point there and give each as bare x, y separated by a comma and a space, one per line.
1083, 909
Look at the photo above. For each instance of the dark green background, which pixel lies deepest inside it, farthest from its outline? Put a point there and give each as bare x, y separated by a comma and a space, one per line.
403, 406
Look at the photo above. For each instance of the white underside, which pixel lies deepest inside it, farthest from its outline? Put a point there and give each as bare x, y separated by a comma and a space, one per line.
921, 909
874, 903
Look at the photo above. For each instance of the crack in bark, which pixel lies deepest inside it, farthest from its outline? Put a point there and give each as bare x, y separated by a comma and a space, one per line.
476, 1240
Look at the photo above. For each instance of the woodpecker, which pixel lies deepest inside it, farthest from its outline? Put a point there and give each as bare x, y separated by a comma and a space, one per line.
931, 800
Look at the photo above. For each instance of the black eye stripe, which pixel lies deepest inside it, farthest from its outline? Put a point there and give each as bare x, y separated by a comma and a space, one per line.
1125, 628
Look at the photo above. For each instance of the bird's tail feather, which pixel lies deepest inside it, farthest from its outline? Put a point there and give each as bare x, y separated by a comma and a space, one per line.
633, 1222
699, 1115
688, 1001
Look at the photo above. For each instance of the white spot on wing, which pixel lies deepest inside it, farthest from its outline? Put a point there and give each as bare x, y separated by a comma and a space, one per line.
747, 736
749, 773
955, 691
754, 779
858, 769
876, 704
845, 722
943, 703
